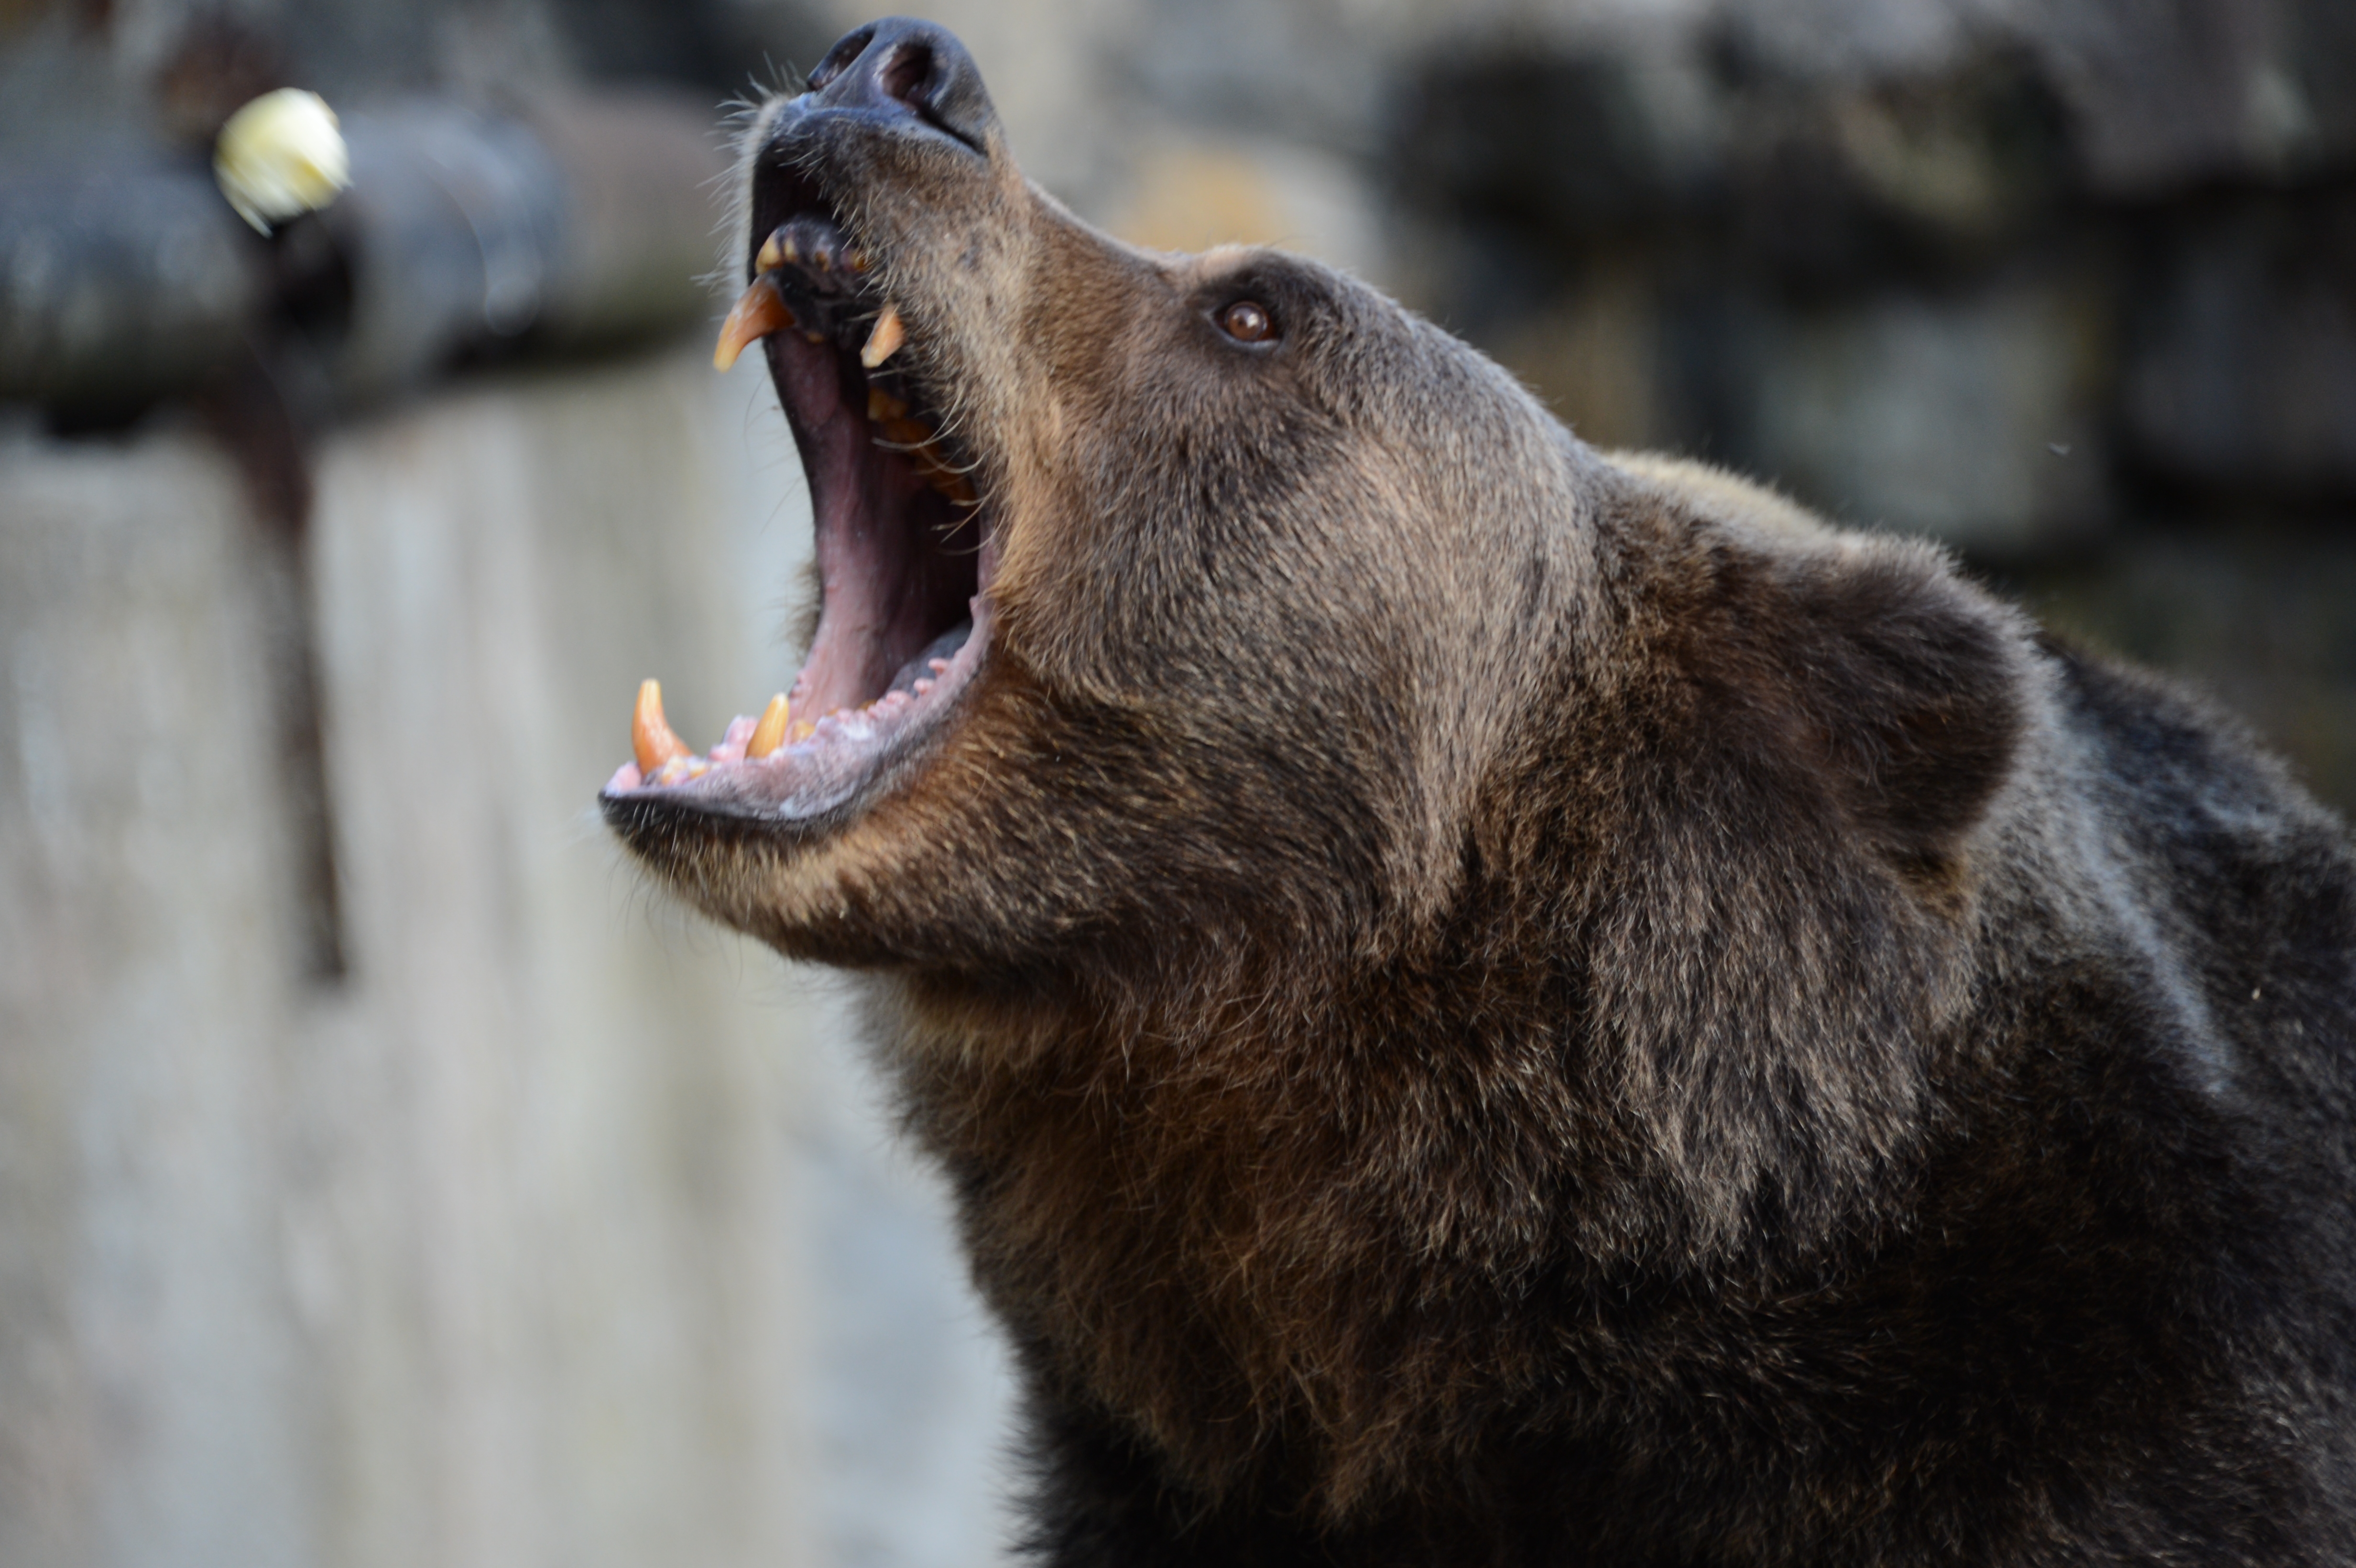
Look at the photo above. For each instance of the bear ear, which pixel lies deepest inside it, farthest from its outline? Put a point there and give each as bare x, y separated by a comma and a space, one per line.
1883, 680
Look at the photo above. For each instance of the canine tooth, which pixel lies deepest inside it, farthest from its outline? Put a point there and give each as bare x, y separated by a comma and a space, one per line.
651, 740
859, 260
802, 731
885, 340
881, 405
908, 433
759, 312
770, 733
773, 254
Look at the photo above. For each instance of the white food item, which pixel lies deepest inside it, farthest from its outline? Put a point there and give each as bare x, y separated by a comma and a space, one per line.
280, 156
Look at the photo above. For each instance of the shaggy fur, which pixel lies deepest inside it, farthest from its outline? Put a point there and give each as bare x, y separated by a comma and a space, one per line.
1491, 1003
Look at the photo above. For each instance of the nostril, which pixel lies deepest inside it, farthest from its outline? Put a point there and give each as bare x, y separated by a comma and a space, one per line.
849, 47
898, 67
906, 74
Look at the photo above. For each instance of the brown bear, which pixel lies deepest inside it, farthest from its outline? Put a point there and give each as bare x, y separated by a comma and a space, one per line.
1487, 1002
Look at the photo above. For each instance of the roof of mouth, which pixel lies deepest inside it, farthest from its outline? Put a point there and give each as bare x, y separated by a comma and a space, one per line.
903, 546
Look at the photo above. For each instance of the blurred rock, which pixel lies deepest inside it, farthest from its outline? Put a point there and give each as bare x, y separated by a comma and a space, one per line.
1191, 192
2242, 375
1974, 419
2257, 617
1903, 255
1596, 354
2167, 94
1572, 146
1930, 177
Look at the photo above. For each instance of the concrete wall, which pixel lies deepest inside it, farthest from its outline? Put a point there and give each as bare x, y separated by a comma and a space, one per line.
558, 1231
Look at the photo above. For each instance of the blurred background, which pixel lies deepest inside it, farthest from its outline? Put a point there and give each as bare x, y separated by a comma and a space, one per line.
385, 1178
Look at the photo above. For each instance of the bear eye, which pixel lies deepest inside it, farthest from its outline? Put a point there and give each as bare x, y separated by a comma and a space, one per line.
1248, 322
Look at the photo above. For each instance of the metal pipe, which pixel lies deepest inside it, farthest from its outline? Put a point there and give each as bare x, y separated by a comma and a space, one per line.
564, 222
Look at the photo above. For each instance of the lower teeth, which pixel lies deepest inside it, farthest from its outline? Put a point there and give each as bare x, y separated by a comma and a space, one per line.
941, 650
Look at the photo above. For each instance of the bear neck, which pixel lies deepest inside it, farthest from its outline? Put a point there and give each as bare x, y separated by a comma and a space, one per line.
1266, 1191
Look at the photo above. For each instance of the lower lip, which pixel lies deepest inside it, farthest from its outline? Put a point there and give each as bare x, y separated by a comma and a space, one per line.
829, 767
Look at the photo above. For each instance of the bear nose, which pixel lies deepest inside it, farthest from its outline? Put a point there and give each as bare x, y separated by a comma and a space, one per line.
900, 65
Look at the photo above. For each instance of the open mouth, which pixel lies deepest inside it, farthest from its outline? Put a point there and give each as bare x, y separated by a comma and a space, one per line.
903, 545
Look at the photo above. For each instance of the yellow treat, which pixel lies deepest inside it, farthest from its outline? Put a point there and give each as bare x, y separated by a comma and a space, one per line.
280, 156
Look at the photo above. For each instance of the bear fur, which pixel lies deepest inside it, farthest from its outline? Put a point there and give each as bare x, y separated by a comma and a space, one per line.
1489, 1002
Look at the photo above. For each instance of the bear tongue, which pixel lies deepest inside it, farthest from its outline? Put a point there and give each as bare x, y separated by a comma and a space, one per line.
928, 665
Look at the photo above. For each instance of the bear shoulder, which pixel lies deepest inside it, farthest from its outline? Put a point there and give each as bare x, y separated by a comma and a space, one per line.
1725, 499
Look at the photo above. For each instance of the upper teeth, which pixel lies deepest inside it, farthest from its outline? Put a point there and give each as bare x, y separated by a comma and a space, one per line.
813, 244
759, 312
885, 339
